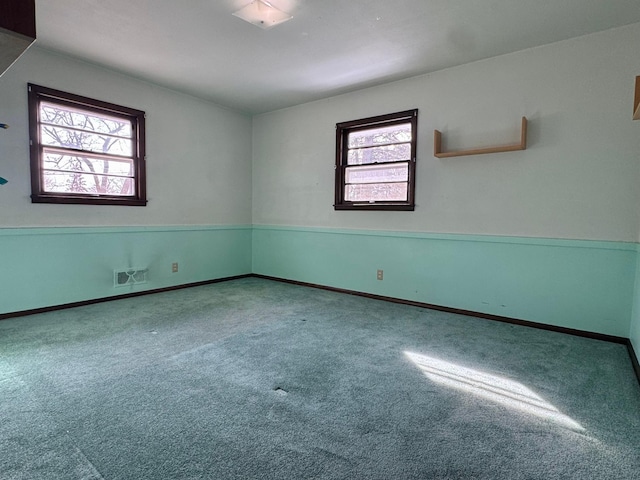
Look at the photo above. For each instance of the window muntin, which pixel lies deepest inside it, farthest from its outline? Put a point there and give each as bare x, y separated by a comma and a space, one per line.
375, 162
85, 150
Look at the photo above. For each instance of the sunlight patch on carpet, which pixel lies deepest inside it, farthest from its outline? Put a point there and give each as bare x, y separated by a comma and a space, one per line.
501, 390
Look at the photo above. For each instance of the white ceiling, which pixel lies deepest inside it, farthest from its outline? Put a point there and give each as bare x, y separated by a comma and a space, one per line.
329, 47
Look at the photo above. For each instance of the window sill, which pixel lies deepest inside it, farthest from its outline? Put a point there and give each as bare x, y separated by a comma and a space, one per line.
64, 199
375, 206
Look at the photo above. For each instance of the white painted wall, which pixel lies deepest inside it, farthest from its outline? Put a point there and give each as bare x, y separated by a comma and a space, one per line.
578, 179
198, 154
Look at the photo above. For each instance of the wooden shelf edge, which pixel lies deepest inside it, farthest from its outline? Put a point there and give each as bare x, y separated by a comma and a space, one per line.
636, 101
437, 145
480, 151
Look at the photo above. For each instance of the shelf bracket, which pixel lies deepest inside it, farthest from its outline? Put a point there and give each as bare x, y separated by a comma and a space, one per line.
636, 101
437, 145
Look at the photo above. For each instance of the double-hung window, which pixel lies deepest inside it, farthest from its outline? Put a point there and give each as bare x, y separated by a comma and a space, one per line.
85, 151
376, 162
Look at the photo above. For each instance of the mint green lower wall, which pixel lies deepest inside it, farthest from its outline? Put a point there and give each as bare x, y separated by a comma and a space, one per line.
42, 267
585, 285
634, 332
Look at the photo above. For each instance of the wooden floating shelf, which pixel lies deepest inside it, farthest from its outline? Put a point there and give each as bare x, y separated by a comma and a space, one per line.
636, 101
437, 145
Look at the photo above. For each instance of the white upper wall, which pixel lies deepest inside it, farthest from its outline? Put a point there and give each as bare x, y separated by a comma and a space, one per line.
577, 179
198, 154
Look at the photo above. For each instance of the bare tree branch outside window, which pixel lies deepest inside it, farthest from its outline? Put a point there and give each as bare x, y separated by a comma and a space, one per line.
82, 173
85, 150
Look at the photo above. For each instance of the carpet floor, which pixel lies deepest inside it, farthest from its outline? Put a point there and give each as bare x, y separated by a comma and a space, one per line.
256, 379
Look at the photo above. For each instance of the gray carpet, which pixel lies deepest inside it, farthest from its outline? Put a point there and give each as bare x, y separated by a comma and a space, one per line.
259, 379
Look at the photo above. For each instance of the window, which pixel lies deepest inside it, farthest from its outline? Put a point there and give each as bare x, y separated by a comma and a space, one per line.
85, 151
376, 162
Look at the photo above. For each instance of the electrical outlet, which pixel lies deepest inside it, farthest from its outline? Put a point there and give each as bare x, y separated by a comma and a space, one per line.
379, 275
174, 267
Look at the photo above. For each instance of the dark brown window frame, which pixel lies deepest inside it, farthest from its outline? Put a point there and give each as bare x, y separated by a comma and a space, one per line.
36, 94
342, 133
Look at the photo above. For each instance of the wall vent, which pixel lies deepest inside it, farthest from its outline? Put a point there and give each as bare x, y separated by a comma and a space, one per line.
131, 276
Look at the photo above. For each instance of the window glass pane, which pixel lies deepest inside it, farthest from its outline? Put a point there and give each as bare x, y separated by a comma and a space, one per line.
73, 163
375, 162
77, 139
388, 153
378, 192
85, 151
380, 136
74, 182
84, 120
377, 174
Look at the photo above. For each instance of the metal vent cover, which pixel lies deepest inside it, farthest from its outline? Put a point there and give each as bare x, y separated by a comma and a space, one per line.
130, 276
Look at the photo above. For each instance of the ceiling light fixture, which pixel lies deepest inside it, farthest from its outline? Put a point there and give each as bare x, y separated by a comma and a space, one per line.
262, 14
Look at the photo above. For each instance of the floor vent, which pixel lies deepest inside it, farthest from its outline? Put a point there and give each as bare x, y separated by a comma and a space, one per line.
132, 276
